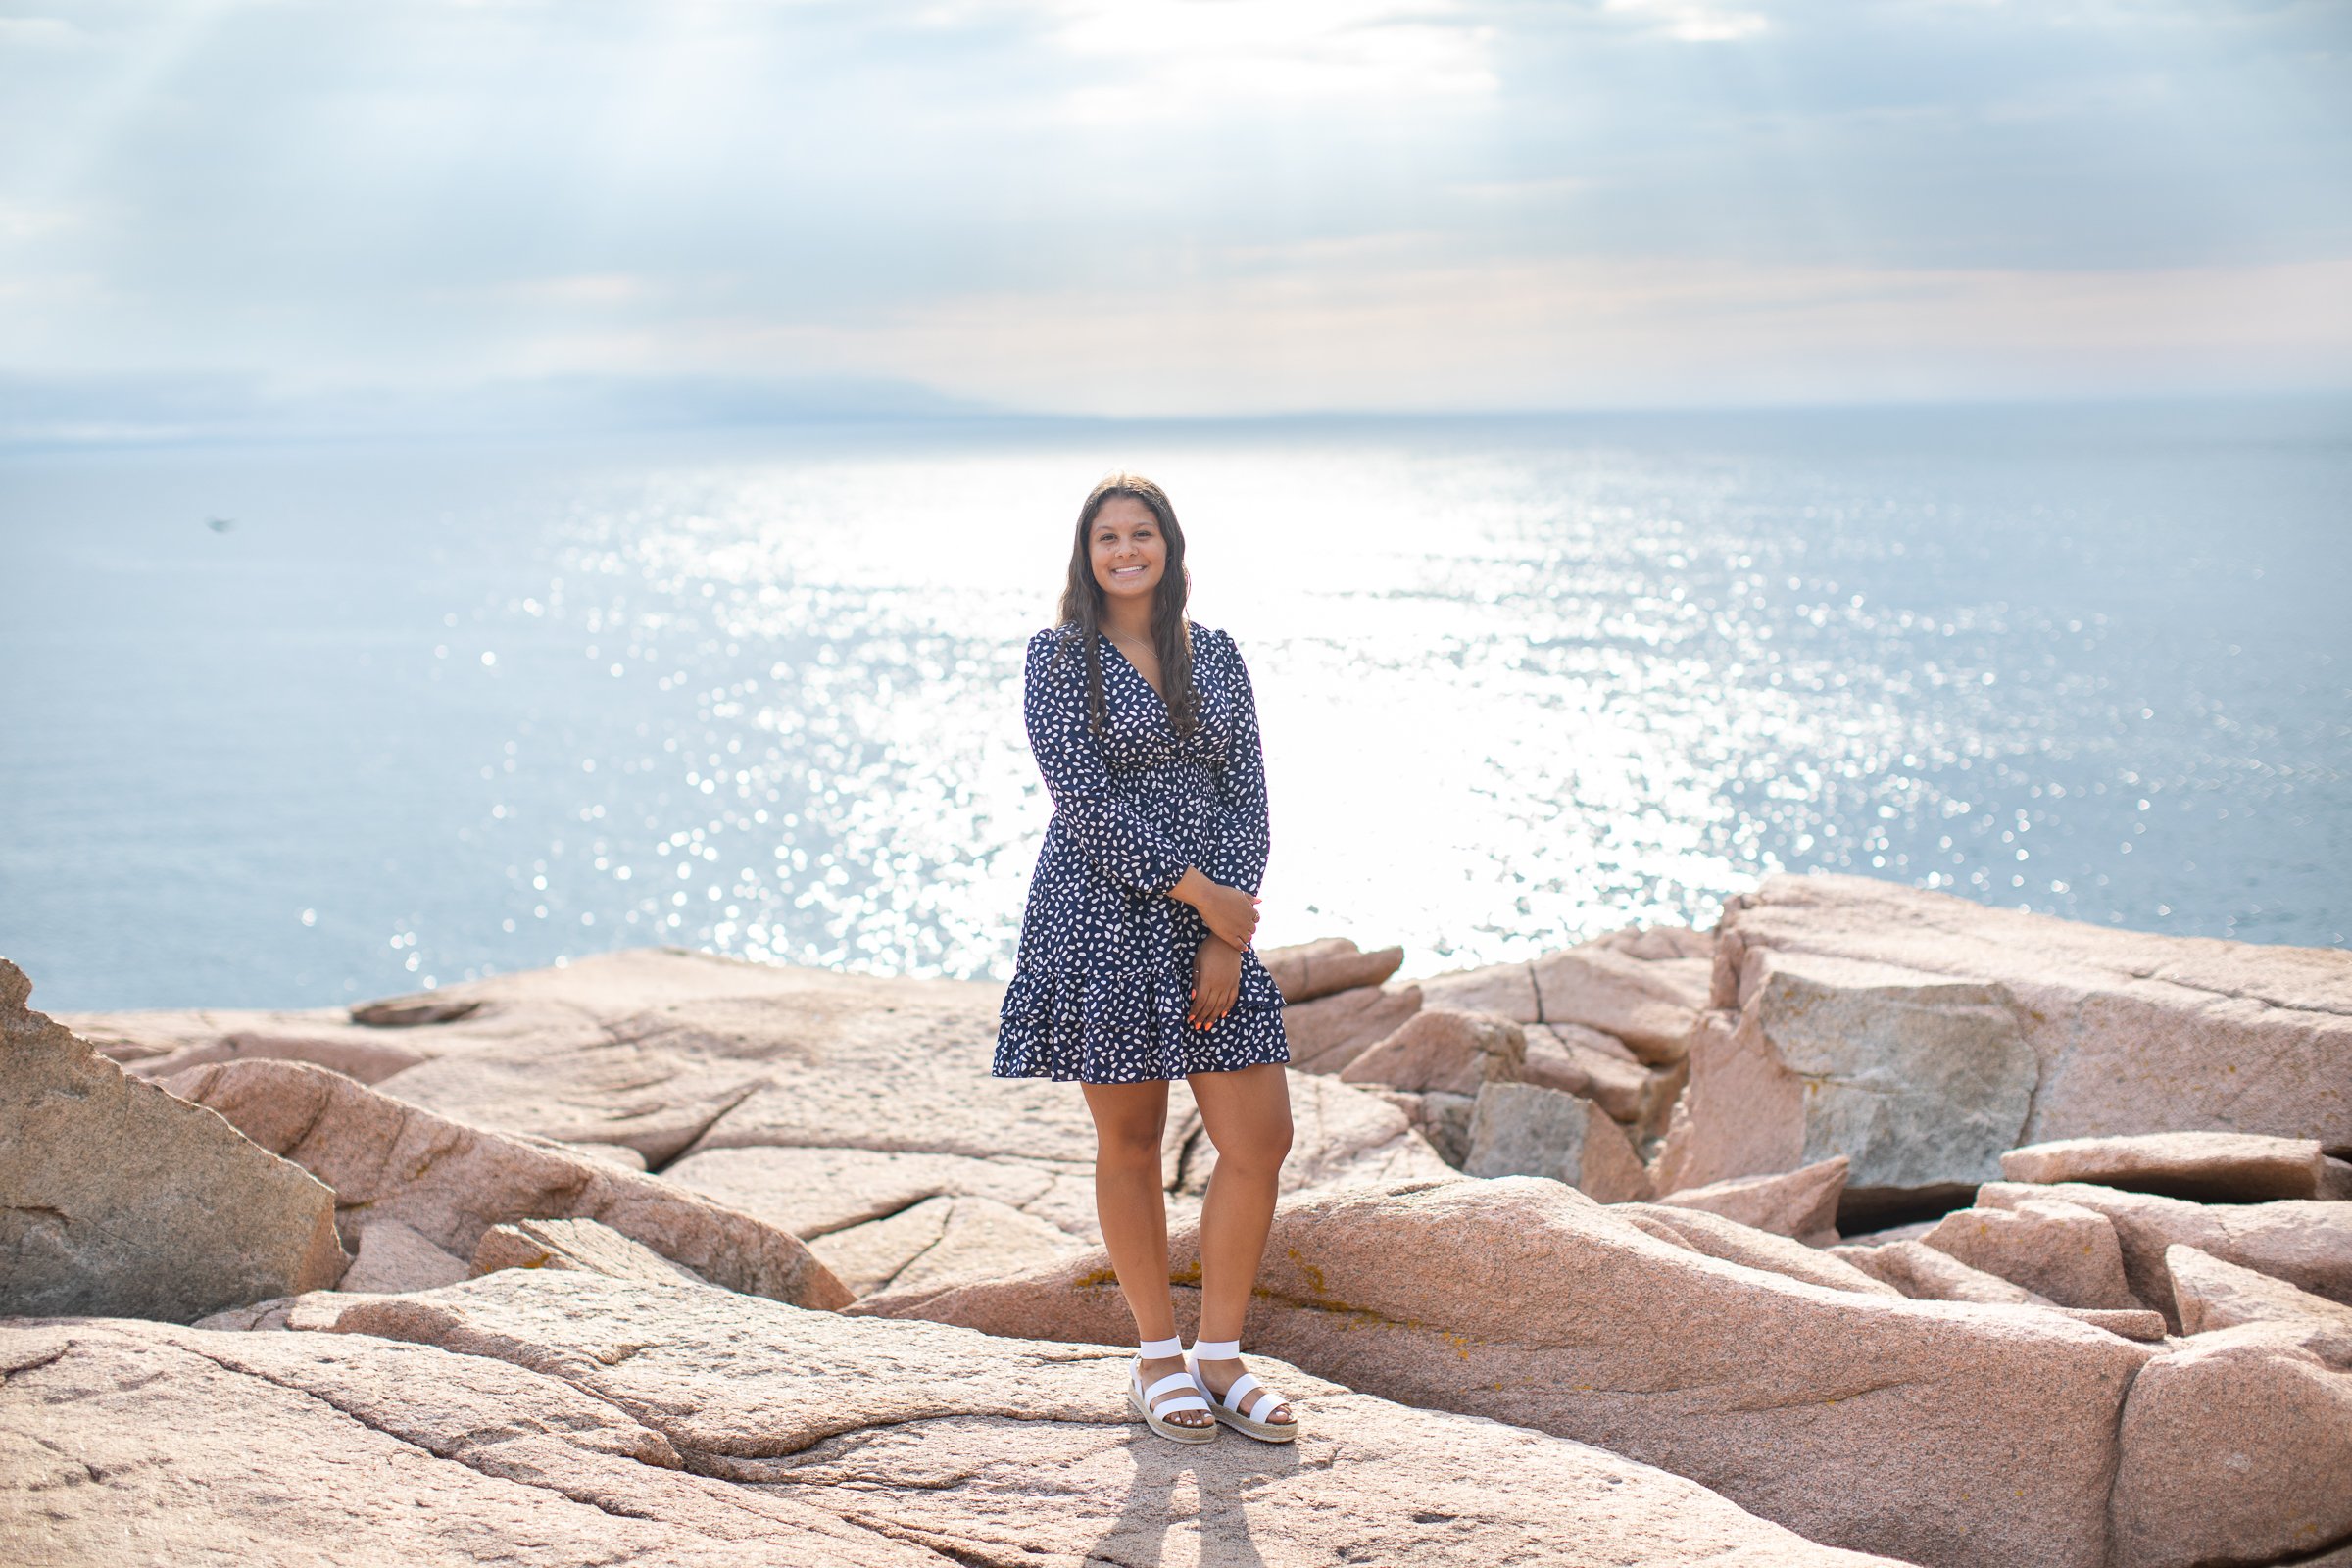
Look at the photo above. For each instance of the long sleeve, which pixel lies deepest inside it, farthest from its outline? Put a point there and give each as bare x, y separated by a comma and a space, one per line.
1116, 840
1239, 859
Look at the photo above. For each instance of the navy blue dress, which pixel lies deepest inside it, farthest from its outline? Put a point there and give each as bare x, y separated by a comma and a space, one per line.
1103, 984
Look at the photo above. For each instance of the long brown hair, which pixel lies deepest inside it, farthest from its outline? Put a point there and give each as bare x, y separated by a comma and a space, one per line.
1171, 636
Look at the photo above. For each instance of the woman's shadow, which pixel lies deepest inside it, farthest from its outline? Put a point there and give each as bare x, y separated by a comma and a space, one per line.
1219, 1478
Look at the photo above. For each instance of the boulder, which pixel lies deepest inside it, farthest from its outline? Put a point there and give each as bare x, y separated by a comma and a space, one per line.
1444, 1119
118, 1199
575, 1244
989, 1450
388, 1160
2207, 1167
2132, 1033
1734, 1242
1340, 1136
125, 1441
1584, 1061
1920, 1080
1438, 1048
1505, 989
1313, 969
393, 1257
1741, 1114
1802, 1203
941, 1238
2060, 1251
1658, 942
2213, 1294
2237, 1447
1648, 1003
2306, 1242
1523, 1130
1925, 1274
1328, 1033
1944, 1432
817, 1191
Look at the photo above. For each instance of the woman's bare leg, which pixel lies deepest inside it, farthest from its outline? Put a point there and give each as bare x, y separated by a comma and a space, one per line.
1246, 1114
1132, 1207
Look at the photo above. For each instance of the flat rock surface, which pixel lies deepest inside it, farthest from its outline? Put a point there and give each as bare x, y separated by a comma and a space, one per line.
1003, 1450
385, 1158
2207, 1167
2307, 1244
1952, 1433
117, 1197
2134, 1033
139, 1442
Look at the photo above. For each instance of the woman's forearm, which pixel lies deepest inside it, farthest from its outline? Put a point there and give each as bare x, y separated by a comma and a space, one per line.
1191, 887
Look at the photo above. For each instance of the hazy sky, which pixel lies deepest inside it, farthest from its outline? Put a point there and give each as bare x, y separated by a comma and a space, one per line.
1186, 206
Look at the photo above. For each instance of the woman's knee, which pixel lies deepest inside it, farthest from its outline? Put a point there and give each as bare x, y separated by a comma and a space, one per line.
1129, 1143
1257, 1155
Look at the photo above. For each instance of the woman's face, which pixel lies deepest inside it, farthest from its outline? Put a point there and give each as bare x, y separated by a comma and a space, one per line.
1128, 550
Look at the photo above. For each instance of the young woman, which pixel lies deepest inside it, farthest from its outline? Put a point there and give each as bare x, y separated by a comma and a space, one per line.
1135, 965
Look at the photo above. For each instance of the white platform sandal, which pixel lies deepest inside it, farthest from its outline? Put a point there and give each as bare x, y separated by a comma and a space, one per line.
1249, 1420
1140, 1397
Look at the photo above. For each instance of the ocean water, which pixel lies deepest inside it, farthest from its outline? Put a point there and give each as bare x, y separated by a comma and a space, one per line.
298, 725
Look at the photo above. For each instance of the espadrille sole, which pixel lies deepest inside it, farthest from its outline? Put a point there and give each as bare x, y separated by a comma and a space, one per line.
1169, 1428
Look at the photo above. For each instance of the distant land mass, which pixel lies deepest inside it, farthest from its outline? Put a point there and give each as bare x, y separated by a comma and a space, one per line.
88, 411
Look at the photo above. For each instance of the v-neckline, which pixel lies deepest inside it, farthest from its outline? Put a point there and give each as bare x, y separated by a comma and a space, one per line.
1131, 670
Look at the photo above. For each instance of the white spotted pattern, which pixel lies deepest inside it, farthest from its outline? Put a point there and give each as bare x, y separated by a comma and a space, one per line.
1103, 984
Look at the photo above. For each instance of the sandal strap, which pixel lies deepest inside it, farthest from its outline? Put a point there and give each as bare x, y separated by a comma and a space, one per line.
1159, 1350
1267, 1400
1174, 1380
1216, 1350
1189, 1402
1239, 1388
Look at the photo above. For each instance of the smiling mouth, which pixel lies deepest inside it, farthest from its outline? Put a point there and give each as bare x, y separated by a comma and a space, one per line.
1126, 572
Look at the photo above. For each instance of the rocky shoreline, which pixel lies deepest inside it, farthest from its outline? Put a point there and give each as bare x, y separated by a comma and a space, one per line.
1871, 1225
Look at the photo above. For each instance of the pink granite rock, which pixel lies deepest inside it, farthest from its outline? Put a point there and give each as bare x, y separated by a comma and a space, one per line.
1949, 1434
1313, 969
136, 1443
117, 1197
2060, 1251
988, 1450
2132, 1033
393, 1257
1925, 1274
1802, 1203
1648, 1003
1438, 1048
1920, 1080
1584, 1061
574, 1244
2236, 1447
2307, 1244
451, 1182
1327, 1034
1734, 1242
2212, 1294
2203, 1166
1523, 1130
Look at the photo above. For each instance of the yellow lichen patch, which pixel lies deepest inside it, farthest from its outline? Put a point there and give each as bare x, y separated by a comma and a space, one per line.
1098, 1278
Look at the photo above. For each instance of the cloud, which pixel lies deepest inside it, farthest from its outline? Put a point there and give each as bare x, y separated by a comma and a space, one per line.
1262, 202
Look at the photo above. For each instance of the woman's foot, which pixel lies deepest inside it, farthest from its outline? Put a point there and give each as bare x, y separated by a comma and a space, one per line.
1153, 1369
1220, 1376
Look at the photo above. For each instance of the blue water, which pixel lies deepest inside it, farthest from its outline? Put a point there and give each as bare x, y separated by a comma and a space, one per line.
413, 715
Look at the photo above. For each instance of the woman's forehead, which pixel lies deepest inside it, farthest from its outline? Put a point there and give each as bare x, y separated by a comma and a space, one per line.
1123, 511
